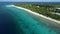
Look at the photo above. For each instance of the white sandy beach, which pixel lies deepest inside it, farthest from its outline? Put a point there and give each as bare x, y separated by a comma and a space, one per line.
47, 18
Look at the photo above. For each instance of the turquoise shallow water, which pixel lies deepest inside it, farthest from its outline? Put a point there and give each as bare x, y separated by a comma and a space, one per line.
20, 22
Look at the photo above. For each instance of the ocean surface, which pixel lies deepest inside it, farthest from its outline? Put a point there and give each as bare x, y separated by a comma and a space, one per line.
17, 21
29, 2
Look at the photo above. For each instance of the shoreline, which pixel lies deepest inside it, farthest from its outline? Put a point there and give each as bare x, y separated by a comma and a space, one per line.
40, 15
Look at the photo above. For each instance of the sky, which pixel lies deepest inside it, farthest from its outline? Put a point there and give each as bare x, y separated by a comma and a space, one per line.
29, 0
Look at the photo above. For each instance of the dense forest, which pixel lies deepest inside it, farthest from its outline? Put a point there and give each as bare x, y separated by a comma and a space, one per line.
43, 9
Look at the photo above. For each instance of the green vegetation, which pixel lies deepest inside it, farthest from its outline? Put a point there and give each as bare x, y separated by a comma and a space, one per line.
41, 9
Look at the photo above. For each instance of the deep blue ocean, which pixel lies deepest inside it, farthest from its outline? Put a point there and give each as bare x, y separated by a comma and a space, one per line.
29, 2
17, 21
